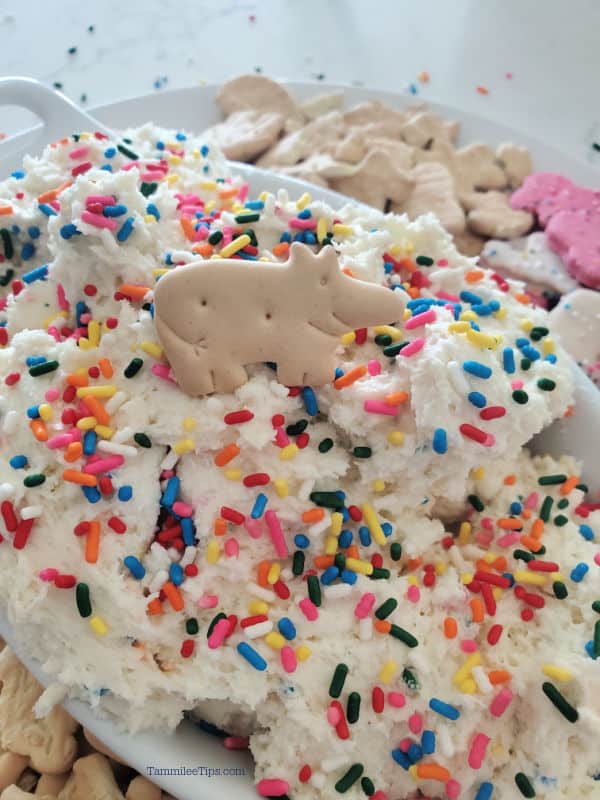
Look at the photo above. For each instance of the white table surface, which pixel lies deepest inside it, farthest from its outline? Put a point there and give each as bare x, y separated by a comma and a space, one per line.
551, 48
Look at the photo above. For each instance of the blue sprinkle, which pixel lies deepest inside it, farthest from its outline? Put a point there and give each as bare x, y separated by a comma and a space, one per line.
37, 274
508, 360
345, 514
135, 567
349, 577
114, 211
91, 493
401, 758
590, 650
18, 174
387, 529
181, 137
31, 361
428, 742
80, 309
531, 353
364, 536
47, 210
331, 574
305, 214
33, 412
18, 462
89, 442
509, 577
579, 572
388, 267
551, 358
287, 628
413, 89
106, 167
474, 326
586, 532
414, 753
34, 232
485, 791
176, 574
469, 297
310, 401
440, 441
444, 709
160, 145
338, 373
345, 538
515, 508
259, 506
125, 230
15, 229
252, 656
478, 369
171, 492
299, 237
110, 152
69, 230
522, 342
125, 493
286, 236
301, 541
254, 205
152, 209
187, 531
204, 150
477, 399
483, 310
27, 251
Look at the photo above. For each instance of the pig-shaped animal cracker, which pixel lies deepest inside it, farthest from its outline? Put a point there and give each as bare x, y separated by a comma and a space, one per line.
215, 317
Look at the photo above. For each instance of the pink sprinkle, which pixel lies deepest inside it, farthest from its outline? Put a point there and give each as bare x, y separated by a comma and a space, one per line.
396, 699
487, 523
48, 574
442, 262
516, 385
380, 407
415, 723
288, 659
163, 371
468, 646
62, 298
404, 744
52, 331
380, 795
253, 527
413, 347
100, 199
445, 296
277, 537
484, 539
597, 559
281, 438
420, 319
452, 789
236, 742
231, 547
98, 221
52, 395
218, 634
374, 367
303, 224
508, 76
243, 192
201, 234
413, 593
501, 702
59, 441
334, 716
272, 787
207, 601
532, 500
509, 539
478, 748
309, 609
364, 605
182, 509
104, 464
79, 152
227, 235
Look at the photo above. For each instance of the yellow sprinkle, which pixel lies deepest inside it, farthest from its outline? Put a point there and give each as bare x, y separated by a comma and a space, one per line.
288, 452
464, 532
336, 523
49, 320
210, 206
84, 343
468, 687
262, 196
372, 523
46, 412
173, 159
98, 625
497, 592
196, 153
388, 330
189, 424
556, 672
348, 338
342, 230
303, 652
464, 672
149, 218
104, 432
94, 332
281, 487
412, 771
378, 485
331, 545
362, 567
258, 607
483, 340
396, 438
233, 474
275, 640
213, 551
209, 186
87, 423
557, 576
459, 327
440, 567
184, 446
501, 313
468, 315
85, 136
387, 672
303, 201
548, 346
396, 249
478, 474
172, 178
526, 325
321, 229
237, 244
407, 314
489, 558
96, 391
466, 578
274, 572
412, 580
152, 349
525, 576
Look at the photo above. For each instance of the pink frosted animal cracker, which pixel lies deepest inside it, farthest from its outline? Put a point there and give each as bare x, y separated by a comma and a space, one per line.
215, 317
545, 194
575, 236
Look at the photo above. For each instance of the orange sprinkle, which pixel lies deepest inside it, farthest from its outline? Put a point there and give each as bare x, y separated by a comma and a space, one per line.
227, 454
523, 298
155, 607
383, 626
188, 228
433, 772
569, 411
281, 249
350, 377
414, 563
352, 552
5, 210
92, 542
225, 194
347, 271
173, 596
500, 564
530, 543
52, 194
82, 478
510, 480
483, 566
313, 515
263, 573
526, 513
568, 486
482, 90
97, 410
450, 628
77, 380
477, 609
396, 398
508, 524
413, 292
220, 526
73, 452
106, 368
203, 249
474, 275
323, 562
133, 292
39, 430
497, 676
537, 529
408, 264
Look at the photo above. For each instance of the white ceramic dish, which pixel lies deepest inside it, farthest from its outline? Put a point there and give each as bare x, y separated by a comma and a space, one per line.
194, 109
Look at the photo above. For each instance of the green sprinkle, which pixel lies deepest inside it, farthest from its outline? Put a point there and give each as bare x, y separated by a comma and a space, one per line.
214, 621
380, 574
562, 503
82, 598
215, 237
596, 146
314, 589
7, 242
541, 551
523, 555
367, 785
362, 452
396, 551
424, 261
253, 240
338, 680
127, 152
296, 428
385, 609
596, 606
142, 439
298, 562
551, 480
148, 188
546, 385
583, 487
350, 778
353, 707
325, 445
525, 364
597, 639
191, 626
242, 219
7, 277
34, 480
392, 350
410, 679
340, 561
560, 520
560, 590
538, 332
43, 369
524, 785
383, 339
546, 508
399, 633
133, 367
327, 499
566, 709
520, 397
475, 502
